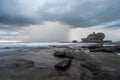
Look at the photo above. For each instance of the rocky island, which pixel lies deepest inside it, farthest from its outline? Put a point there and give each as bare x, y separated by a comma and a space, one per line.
95, 37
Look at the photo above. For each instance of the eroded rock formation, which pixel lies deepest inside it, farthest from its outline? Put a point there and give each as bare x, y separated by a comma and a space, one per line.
95, 37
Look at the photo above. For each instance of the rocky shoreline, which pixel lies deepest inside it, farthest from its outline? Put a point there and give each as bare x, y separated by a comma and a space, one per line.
39, 64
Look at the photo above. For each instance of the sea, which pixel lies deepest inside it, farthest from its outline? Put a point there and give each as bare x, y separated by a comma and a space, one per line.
10, 46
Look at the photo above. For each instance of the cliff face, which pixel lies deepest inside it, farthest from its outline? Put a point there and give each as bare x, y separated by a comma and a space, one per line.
95, 37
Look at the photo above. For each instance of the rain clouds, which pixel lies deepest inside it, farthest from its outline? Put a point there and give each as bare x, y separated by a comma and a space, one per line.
22, 14
47, 32
77, 13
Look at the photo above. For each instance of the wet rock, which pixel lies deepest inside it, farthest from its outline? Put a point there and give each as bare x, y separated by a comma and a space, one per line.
69, 56
103, 49
62, 54
63, 65
107, 49
105, 76
95, 50
85, 76
59, 54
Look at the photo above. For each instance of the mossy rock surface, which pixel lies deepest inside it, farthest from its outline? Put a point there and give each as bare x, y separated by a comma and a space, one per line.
42, 74
80, 55
93, 67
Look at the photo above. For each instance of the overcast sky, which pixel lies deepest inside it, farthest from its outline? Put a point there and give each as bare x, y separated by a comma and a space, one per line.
63, 20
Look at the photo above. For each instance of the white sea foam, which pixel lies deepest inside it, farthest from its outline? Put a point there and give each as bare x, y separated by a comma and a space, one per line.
16, 46
40, 44
118, 54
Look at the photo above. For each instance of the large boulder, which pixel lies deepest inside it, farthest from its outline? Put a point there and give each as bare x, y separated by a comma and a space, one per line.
62, 54
63, 65
59, 54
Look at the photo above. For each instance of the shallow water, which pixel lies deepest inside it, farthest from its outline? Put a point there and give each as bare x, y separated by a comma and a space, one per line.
42, 57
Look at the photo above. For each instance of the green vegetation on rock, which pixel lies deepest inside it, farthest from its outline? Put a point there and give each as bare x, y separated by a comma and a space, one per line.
43, 74
88, 61
95, 37
92, 66
80, 56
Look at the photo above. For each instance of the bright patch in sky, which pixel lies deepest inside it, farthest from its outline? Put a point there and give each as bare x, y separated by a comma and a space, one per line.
11, 41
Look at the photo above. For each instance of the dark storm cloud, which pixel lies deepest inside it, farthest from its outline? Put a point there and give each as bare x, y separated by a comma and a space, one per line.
16, 20
77, 13
13, 15
89, 13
